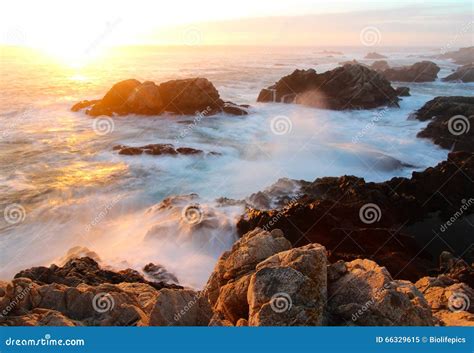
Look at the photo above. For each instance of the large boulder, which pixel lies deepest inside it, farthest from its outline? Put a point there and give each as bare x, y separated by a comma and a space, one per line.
289, 288
348, 87
180, 308
463, 74
261, 281
363, 293
452, 303
424, 71
184, 96
451, 123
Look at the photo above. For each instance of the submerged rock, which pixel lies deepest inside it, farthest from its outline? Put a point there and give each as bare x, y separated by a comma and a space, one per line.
184, 96
463, 74
424, 71
451, 122
403, 91
347, 87
156, 149
365, 294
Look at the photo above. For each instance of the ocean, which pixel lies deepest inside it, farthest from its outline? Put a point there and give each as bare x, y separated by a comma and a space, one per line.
71, 189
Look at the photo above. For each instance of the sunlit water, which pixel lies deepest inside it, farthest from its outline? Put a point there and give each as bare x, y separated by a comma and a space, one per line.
77, 191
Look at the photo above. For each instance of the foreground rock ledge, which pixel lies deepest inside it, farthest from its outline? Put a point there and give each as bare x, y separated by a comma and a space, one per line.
262, 280
352, 86
185, 96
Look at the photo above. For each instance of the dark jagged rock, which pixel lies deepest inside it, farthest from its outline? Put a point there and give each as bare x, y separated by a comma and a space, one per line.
156, 149
452, 122
464, 74
375, 55
424, 71
85, 270
328, 212
184, 96
380, 65
347, 87
463, 56
403, 91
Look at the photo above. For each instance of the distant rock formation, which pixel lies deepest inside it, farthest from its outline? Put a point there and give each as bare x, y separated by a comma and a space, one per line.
347, 87
186, 96
375, 56
424, 71
463, 74
463, 56
451, 122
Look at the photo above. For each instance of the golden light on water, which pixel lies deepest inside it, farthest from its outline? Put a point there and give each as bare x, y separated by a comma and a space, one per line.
87, 174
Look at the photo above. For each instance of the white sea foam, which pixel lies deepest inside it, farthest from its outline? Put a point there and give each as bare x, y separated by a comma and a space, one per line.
77, 191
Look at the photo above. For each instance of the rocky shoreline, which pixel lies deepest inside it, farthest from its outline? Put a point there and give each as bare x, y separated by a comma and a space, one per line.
334, 251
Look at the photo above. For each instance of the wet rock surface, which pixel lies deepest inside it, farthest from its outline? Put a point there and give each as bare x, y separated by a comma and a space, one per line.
184, 97
157, 149
462, 74
354, 219
451, 122
424, 71
348, 87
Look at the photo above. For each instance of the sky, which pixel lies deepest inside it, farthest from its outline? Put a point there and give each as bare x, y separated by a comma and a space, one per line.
64, 26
